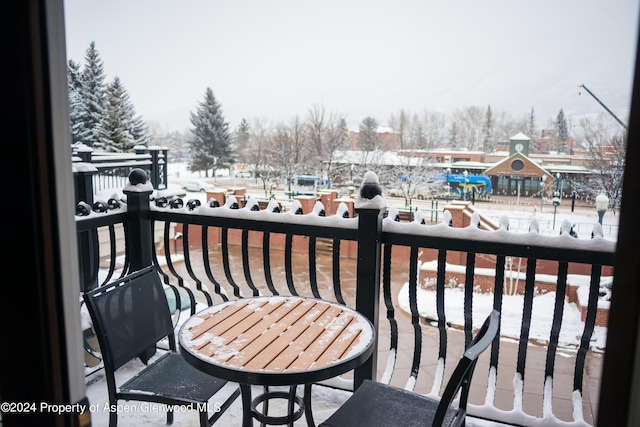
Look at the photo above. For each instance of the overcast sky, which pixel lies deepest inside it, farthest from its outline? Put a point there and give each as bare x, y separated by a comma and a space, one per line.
275, 59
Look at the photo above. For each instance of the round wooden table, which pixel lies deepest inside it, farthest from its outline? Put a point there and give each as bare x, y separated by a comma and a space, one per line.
276, 341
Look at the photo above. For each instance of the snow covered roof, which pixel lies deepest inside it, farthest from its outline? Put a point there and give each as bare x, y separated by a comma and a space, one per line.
519, 137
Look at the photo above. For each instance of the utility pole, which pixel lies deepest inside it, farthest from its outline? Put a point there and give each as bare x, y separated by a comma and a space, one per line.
582, 86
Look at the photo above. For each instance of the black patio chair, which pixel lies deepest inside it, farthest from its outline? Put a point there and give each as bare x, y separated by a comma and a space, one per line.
376, 404
130, 316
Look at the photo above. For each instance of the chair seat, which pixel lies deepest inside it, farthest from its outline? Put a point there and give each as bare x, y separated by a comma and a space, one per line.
376, 404
187, 383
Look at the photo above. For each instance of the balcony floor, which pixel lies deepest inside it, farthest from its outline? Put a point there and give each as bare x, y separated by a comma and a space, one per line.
325, 400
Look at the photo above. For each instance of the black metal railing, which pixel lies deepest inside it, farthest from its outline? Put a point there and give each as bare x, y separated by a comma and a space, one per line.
209, 253
111, 170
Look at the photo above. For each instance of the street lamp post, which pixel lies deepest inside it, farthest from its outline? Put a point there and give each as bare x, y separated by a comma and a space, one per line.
559, 184
542, 180
556, 202
602, 203
447, 185
464, 190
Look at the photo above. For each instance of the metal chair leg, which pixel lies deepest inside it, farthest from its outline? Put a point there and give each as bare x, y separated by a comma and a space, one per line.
247, 417
265, 405
308, 413
292, 403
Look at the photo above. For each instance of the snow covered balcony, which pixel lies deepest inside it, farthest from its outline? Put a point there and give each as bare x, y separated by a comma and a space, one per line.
544, 369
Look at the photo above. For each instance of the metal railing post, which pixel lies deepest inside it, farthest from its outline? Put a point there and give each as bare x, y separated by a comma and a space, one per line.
88, 247
154, 172
83, 181
139, 237
84, 152
138, 226
368, 275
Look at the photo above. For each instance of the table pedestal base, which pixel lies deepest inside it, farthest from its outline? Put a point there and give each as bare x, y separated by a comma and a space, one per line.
250, 406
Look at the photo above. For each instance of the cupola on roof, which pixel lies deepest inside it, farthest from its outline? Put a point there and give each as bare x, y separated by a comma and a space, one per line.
519, 137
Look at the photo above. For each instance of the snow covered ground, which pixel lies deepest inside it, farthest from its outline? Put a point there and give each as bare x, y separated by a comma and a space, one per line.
511, 315
583, 218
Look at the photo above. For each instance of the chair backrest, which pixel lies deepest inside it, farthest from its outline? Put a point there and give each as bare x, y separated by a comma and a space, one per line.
461, 377
130, 315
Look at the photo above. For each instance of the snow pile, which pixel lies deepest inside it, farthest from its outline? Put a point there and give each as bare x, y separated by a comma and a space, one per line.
511, 315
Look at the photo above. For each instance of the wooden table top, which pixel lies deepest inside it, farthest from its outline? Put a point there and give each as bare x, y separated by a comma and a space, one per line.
276, 340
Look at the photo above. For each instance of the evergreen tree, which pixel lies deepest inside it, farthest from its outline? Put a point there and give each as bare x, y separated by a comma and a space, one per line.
563, 131
119, 130
418, 133
98, 111
368, 139
489, 140
211, 140
453, 136
138, 128
93, 96
533, 145
76, 106
243, 137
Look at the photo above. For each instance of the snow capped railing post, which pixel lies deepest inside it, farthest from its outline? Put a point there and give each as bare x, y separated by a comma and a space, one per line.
139, 239
83, 181
88, 251
139, 233
370, 206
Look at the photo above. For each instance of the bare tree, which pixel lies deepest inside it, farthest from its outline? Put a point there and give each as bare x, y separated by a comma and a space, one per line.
337, 137
411, 176
177, 142
426, 130
371, 160
287, 150
607, 158
595, 131
400, 124
418, 133
435, 125
506, 126
470, 121
316, 128
326, 133
258, 155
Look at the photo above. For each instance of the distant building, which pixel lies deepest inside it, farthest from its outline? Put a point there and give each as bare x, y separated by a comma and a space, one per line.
518, 167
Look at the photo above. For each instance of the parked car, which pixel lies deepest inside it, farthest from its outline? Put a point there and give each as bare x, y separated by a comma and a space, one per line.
243, 174
196, 185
